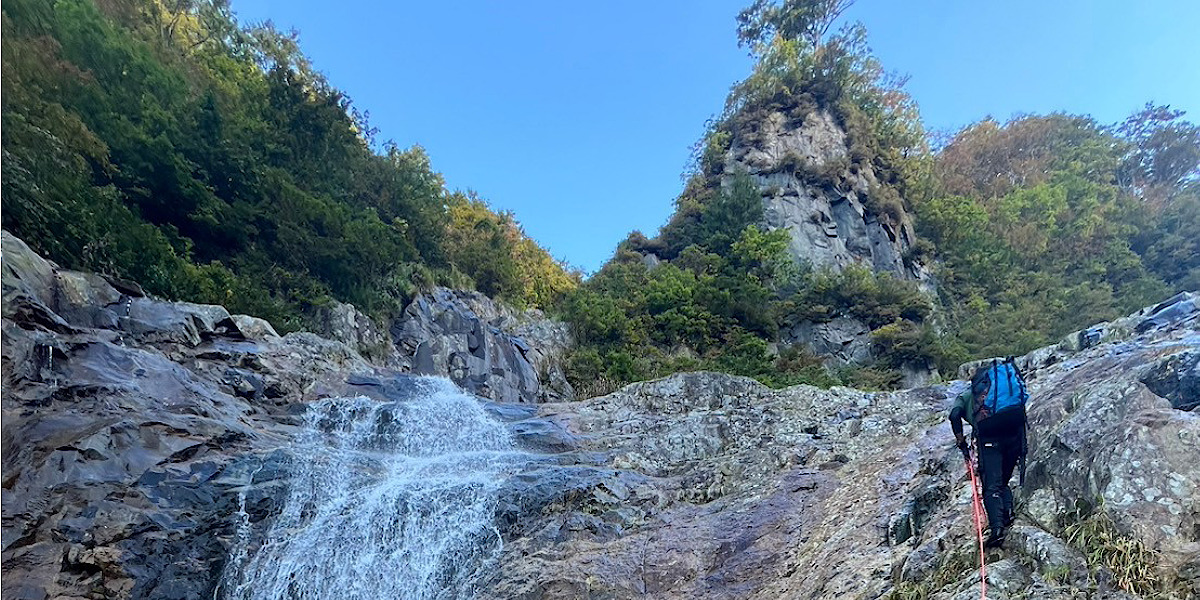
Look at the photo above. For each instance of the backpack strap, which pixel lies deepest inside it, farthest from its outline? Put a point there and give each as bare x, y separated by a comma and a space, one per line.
1024, 449
994, 375
1023, 389
1012, 379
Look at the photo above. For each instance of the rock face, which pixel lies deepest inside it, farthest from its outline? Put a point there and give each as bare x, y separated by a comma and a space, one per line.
802, 165
134, 428
486, 348
129, 425
847, 341
829, 223
141, 438
712, 486
844, 340
345, 323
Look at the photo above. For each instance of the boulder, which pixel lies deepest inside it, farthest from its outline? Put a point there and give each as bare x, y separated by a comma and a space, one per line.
345, 323
87, 300
1180, 307
1177, 378
254, 328
25, 274
484, 347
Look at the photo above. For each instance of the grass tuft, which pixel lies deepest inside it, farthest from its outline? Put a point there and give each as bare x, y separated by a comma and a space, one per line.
1136, 568
953, 568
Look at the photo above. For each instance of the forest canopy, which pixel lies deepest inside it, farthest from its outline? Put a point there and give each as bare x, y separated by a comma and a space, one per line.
164, 142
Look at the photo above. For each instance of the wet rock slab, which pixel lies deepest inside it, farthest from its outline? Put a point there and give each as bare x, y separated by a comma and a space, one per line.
747, 492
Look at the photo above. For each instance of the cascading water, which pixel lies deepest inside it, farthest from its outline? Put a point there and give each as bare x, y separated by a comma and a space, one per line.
386, 501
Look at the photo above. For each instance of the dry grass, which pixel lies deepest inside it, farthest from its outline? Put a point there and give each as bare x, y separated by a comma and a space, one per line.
599, 386
1135, 567
953, 568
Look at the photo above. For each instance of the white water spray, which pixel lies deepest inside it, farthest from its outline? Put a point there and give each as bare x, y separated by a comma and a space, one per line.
386, 501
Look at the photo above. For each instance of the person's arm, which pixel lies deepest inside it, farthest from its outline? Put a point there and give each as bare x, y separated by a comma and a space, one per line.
957, 414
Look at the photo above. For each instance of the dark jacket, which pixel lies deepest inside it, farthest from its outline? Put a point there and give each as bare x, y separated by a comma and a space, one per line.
964, 410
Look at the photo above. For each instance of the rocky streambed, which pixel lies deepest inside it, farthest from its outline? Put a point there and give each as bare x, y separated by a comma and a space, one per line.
145, 443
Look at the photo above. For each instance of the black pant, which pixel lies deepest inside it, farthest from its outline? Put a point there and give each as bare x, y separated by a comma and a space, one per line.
997, 459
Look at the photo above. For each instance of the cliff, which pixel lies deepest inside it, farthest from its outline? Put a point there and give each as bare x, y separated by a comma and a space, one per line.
829, 205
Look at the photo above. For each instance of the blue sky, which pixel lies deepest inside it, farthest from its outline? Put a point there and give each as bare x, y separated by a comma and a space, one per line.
579, 117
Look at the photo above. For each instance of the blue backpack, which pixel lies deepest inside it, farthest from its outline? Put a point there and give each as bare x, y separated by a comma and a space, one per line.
1000, 396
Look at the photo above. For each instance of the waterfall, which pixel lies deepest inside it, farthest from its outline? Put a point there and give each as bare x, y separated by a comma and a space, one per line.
386, 501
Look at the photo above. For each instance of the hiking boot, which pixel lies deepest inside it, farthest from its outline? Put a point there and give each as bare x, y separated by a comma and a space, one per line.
995, 538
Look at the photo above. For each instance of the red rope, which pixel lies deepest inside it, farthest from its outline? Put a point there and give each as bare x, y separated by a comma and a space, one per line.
977, 510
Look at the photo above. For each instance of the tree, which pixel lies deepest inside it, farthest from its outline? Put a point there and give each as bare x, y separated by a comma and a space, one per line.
807, 21
989, 159
160, 141
727, 214
1164, 149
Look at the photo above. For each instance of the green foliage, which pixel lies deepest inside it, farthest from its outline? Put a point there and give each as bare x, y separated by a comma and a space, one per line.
165, 144
989, 159
711, 219
1044, 240
732, 211
807, 21
710, 311
895, 310
715, 146
1059, 574
1169, 245
797, 365
875, 299
702, 310
1164, 149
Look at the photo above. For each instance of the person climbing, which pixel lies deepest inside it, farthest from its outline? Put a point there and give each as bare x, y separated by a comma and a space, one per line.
994, 405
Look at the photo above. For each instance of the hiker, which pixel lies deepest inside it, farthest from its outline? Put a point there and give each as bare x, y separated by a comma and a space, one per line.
994, 405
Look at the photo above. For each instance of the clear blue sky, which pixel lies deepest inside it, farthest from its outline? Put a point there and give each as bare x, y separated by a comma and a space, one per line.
579, 116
